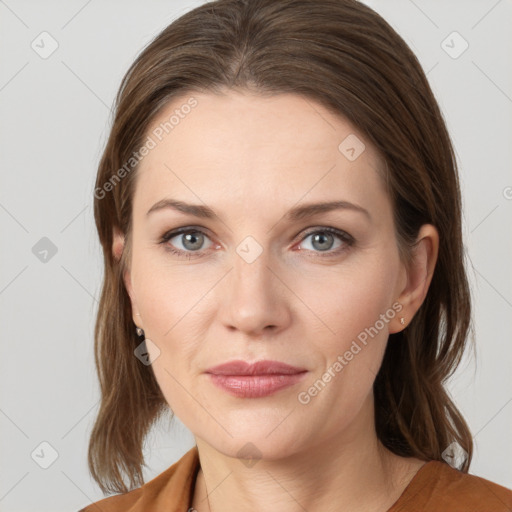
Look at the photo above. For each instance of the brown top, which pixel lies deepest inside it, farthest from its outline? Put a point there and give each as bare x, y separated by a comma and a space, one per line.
436, 487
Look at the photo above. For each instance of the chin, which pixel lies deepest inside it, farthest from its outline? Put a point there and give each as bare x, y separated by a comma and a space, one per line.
257, 445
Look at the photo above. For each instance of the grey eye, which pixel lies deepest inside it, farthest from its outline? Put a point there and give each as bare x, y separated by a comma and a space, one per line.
191, 240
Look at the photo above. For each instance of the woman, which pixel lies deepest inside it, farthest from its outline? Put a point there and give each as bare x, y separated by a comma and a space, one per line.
248, 135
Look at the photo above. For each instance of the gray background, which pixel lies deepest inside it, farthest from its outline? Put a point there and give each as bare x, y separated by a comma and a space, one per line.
54, 115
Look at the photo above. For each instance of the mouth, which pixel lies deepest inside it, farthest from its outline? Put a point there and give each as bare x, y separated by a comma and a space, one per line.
263, 378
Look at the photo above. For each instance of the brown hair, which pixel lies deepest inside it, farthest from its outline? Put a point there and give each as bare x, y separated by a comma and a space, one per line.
343, 55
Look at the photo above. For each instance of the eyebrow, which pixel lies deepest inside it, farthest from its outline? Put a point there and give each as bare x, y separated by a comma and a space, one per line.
295, 214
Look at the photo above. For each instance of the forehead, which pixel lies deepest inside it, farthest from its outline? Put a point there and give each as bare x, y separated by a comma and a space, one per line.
243, 148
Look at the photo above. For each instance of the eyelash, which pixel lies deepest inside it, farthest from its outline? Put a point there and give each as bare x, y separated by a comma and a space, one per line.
342, 235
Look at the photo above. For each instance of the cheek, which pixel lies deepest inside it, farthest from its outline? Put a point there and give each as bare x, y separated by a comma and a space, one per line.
352, 311
351, 345
346, 302
173, 303
170, 295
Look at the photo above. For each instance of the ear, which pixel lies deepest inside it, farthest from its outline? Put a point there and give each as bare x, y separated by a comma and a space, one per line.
117, 244
117, 250
418, 276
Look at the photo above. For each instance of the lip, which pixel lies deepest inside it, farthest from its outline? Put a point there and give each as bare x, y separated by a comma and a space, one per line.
265, 367
259, 379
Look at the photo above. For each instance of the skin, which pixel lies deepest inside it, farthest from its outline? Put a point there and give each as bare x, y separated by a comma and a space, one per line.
251, 159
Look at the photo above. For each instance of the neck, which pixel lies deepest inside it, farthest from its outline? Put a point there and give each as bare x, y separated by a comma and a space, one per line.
352, 471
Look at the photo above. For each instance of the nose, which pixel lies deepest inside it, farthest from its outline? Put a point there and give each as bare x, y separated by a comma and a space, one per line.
254, 297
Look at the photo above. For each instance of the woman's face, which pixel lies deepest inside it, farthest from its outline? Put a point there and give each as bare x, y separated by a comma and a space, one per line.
259, 278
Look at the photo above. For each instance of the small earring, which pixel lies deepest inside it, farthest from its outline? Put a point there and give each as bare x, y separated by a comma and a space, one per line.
139, 331
402, 320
